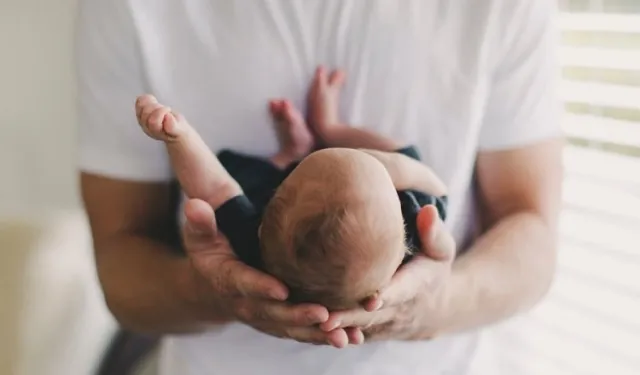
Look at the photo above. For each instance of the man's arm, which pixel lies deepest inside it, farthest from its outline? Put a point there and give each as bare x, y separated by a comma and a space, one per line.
506, 271
147, 286
132, 210
511, 266
519, 173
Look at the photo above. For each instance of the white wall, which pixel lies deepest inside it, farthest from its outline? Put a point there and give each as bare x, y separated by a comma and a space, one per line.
53, 320
37, 115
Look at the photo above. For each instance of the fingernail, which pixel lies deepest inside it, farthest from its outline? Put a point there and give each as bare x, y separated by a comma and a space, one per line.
312, 317
278, 295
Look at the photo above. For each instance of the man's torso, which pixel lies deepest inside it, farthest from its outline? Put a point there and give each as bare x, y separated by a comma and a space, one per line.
417, 70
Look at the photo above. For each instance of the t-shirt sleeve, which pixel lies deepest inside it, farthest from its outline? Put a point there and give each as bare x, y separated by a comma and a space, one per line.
110, 75
523, 106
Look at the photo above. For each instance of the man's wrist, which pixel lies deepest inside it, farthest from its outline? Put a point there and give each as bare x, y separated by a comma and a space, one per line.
192, 290
457, 300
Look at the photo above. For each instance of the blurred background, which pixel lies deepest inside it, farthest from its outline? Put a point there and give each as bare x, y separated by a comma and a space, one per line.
53, 319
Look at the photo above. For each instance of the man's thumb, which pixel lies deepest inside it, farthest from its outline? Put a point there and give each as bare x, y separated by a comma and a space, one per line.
200, 228
434, 238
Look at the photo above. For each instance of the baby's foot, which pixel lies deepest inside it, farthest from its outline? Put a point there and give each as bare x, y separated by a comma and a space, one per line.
158, 121
295, 137
324, 100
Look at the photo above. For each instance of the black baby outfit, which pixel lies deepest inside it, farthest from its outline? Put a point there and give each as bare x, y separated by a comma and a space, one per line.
239, 218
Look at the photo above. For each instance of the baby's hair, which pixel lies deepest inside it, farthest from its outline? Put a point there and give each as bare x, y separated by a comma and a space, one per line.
313, 243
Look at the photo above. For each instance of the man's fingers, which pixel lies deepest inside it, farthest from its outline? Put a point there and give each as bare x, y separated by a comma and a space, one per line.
337, 338
304, 315
438, 251
356, 318
355, 335
200, 218
310, 335
214, 257
250, 282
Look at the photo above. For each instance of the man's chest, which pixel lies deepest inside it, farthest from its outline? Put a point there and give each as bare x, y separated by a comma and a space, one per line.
416, 69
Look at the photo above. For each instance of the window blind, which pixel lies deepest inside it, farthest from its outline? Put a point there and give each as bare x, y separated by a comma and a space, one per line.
590, 321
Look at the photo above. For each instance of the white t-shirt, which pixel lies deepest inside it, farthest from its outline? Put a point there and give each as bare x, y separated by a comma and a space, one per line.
453, 77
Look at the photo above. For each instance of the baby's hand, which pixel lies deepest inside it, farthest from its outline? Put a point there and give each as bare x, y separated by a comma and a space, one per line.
324, 101
157, 120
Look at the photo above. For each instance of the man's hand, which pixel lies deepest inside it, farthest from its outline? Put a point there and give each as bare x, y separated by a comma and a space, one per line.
246, 294
415, 304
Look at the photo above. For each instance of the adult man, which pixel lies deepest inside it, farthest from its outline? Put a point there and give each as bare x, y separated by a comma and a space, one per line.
471, 83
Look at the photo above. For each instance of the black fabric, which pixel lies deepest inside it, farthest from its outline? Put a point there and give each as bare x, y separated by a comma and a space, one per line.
258, 178
239, 218
411, 201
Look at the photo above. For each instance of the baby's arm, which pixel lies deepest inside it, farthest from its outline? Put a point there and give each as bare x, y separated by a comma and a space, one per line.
197, 169
409, 174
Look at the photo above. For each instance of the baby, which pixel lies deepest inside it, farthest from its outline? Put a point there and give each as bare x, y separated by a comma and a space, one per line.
334, 224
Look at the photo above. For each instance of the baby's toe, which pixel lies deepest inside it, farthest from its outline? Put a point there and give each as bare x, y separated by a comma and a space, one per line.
154, 125
143, 102
337, 78
157, 117
171, 125
291, 115
275, 108
147, 111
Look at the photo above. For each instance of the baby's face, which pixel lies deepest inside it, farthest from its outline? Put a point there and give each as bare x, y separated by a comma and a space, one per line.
337, 217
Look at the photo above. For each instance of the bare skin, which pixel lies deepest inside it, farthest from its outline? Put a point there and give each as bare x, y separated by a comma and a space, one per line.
324, 98
507, 271
324, 116
150, 290
198, 170
202, 176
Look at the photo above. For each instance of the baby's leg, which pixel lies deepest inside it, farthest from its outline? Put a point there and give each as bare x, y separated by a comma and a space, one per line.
324, 103
295, 137
198, 170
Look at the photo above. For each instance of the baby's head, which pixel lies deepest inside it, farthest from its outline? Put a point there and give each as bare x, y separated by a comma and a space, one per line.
334, 231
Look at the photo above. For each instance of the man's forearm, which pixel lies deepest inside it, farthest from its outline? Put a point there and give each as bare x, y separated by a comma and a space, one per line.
148, 289
507, 271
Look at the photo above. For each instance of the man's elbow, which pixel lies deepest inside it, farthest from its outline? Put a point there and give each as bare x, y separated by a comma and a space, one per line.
118, 304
